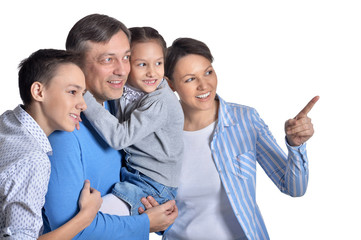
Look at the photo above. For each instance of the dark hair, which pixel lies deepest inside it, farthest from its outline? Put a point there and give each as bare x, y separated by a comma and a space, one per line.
182, 47
41, 66
146, 34
96, 28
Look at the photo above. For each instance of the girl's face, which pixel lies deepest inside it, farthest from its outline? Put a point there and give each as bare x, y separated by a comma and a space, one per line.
195, 82
147, 66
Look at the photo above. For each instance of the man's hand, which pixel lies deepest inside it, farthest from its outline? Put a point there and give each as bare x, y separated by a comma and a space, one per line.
300, 129
160, 216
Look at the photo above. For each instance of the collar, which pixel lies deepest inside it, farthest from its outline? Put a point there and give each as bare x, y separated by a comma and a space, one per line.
33, 128
225, 115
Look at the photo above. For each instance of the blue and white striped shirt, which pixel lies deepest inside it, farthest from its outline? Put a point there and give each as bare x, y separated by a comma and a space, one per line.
240, 139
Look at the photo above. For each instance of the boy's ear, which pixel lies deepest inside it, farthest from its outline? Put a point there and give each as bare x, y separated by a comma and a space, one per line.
37, 91
169, 83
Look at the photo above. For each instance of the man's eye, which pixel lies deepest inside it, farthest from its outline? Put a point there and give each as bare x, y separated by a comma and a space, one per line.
73, 92
141, 64
209, 72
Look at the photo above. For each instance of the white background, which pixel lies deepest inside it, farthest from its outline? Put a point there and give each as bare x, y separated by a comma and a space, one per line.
271, 55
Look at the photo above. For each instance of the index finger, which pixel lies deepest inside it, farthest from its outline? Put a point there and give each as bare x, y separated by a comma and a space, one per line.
308, 107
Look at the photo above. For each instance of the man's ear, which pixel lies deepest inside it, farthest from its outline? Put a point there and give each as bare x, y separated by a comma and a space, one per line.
170, 83
37, 91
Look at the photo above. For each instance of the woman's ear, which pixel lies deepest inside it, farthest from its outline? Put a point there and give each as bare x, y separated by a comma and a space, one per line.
169, 83
37, 91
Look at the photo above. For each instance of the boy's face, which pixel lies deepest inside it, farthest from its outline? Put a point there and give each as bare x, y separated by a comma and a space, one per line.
63, 98
147, 66
107, 67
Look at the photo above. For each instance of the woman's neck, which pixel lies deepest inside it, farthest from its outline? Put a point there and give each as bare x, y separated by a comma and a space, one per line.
196, 119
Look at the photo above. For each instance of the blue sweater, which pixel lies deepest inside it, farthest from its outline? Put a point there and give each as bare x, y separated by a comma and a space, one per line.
78, 156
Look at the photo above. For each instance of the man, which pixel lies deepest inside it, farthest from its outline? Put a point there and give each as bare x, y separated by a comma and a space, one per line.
103, 43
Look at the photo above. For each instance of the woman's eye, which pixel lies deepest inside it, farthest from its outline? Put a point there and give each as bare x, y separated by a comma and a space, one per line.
189, 80
158, 63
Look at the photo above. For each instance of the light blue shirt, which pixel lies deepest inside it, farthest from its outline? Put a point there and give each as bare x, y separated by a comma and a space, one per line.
81, 155
24, 175
241, 139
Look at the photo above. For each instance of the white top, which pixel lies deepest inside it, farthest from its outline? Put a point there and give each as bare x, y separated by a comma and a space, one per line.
204, 209
24, 175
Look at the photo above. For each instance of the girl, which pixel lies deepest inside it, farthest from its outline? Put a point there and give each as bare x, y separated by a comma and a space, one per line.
148, 126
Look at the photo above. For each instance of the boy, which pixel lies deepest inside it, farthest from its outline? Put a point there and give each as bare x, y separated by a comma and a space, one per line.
51, 86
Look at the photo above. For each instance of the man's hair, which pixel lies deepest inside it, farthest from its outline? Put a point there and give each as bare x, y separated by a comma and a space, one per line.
146, 34
182, 47
96, 28
41, 66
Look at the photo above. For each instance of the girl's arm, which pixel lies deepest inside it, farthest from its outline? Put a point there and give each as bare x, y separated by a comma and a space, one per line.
89, 204
145, 119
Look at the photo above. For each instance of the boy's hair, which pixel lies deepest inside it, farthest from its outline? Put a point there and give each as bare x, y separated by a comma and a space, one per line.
182, 47
96, 28
41, 67
146, 34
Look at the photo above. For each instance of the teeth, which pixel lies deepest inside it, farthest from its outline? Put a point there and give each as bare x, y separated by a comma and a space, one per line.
204, 95
73, 116
115, 82
150, 82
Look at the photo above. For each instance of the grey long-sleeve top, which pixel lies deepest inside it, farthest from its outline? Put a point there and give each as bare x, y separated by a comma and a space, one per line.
152, 133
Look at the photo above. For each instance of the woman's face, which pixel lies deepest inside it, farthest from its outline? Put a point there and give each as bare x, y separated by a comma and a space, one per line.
195, 81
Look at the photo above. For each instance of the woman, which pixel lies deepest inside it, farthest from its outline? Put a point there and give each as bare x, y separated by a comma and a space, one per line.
223, 141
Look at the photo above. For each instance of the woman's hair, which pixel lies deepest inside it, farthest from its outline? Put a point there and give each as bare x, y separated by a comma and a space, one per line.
146, 34
96, 28
182, 47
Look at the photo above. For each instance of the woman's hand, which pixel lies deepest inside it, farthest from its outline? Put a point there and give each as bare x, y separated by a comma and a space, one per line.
300, 129
89, 202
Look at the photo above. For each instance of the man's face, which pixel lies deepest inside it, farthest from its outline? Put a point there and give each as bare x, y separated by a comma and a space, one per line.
107, 67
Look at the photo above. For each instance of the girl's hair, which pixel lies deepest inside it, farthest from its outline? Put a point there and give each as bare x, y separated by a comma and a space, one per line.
182, 47
146, 34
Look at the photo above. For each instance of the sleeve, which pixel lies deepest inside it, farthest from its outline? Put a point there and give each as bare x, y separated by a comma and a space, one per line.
289, 173
25, 198
66, 182
146, 119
